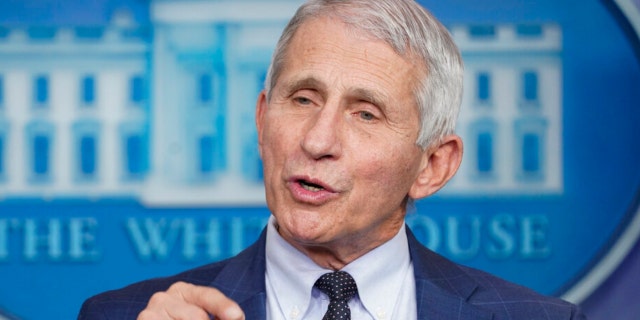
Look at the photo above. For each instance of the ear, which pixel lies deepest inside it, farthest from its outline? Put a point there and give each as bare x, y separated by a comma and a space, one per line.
261, 107
439, 163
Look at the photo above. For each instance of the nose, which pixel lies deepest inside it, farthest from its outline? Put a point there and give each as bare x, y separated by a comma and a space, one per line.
323, 137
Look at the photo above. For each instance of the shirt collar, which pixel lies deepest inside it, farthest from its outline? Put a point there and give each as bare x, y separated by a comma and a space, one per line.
391, 261
291, 272
296, 273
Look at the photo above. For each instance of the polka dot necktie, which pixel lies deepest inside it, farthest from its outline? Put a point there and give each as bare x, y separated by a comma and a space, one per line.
340, 287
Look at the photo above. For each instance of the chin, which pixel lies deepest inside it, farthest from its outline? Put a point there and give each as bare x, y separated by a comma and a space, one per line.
303, 227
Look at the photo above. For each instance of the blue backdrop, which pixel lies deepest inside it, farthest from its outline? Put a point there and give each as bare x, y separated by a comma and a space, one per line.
127, 146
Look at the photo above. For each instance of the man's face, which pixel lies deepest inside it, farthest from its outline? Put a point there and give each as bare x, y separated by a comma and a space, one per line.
337, 139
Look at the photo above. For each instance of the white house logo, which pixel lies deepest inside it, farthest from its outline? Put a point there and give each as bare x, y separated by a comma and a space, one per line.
128, 148
159, 120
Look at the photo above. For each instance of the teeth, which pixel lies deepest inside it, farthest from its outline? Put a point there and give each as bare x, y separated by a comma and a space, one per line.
310, 187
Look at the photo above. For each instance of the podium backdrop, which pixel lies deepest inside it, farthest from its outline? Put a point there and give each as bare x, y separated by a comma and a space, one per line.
128, 149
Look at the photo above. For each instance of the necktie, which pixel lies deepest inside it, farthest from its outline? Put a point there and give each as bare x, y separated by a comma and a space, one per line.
340, 287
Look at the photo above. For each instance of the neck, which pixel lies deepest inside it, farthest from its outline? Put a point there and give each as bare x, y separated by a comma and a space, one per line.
337, 254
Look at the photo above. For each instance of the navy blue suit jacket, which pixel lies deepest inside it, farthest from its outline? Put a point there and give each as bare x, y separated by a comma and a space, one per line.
444, 290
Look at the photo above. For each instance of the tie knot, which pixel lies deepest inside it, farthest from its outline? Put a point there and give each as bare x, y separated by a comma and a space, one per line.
337, 285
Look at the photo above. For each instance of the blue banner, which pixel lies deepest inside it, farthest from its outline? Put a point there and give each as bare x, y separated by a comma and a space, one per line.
128, 148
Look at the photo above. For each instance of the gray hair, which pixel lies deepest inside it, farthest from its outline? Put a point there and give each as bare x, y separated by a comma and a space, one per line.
413, 33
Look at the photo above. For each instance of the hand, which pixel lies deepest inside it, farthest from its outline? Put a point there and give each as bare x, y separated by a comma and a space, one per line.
187, 301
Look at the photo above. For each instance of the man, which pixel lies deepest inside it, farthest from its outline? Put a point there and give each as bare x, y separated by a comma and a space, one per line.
356, 121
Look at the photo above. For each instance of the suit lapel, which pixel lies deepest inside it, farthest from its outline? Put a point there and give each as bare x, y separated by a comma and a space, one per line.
443, 290
255, 306
242, 279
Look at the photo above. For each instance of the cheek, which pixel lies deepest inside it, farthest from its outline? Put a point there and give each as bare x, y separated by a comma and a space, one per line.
390, 172
278, 149
274, 138
269, 152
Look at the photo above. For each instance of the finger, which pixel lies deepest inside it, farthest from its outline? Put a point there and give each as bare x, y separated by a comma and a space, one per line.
164, 306
210, 299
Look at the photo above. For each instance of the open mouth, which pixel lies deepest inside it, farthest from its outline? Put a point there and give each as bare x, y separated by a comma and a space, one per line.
310, 186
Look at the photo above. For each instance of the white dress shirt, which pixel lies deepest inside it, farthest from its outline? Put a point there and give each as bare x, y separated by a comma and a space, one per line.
384, 276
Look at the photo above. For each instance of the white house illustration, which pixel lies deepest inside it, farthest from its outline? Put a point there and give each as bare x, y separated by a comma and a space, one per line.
511, 118
73, 115
164, 112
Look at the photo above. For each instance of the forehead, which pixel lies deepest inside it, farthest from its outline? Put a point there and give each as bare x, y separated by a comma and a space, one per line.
331, 52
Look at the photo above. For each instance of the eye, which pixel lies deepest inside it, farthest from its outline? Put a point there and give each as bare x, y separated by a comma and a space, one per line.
302, 100
366, 115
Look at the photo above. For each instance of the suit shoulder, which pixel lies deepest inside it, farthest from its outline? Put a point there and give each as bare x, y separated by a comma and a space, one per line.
127, 302
509, 300
483, 292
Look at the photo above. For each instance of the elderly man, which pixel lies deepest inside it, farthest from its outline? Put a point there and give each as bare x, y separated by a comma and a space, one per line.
356, 121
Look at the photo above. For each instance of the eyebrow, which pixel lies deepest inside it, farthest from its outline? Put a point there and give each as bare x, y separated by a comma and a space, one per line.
303, 83
310, 82
370, 96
